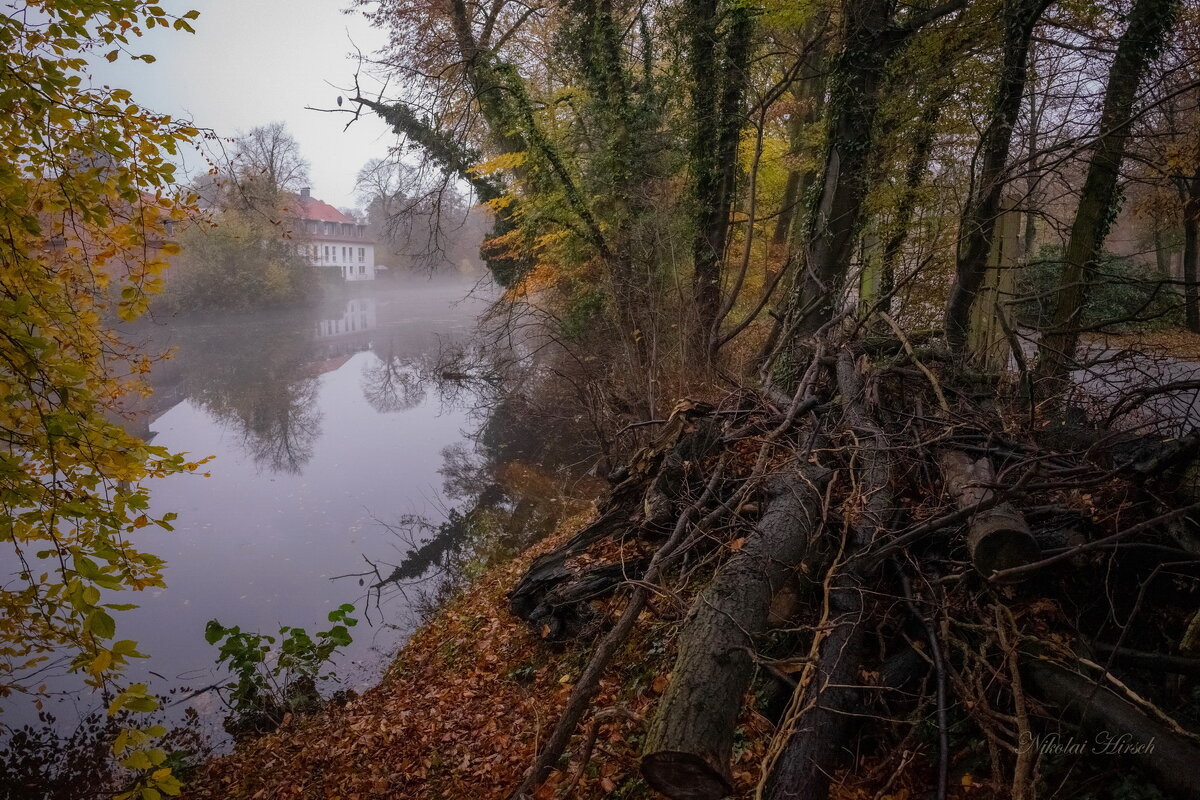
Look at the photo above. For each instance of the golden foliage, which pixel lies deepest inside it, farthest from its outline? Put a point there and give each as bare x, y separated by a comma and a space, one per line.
85, 201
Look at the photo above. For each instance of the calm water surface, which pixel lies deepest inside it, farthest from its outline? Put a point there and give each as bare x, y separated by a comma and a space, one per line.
321, 429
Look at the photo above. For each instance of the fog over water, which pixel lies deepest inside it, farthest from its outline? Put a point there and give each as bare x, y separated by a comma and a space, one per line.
320, 428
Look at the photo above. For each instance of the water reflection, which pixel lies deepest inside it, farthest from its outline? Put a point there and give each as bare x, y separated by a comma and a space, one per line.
511, 485
261, 381
260, 375
339, 439
319, 428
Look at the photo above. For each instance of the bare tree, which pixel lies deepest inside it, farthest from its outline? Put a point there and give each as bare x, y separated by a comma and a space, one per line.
268, 157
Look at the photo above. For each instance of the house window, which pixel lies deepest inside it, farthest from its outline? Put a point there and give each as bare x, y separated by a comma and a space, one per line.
362, 269
326, 252
362, 254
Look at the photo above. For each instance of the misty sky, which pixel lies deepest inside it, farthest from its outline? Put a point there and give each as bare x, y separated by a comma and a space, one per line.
252, 62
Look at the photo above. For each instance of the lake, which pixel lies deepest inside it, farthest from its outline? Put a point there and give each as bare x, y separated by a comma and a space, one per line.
328, 437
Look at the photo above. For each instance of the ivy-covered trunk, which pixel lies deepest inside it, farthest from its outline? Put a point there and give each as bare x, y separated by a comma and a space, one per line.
717, 63
1098, 202
835, 218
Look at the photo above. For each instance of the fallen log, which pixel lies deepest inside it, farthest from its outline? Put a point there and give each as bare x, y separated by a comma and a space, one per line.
1119, 727
998, 538
822, 728
690, 739
822, 714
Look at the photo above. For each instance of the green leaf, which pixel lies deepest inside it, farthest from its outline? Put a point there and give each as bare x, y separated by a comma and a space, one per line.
101, 624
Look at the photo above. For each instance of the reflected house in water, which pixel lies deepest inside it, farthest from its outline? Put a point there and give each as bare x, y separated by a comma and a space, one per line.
358, 316
337, 338
335, 241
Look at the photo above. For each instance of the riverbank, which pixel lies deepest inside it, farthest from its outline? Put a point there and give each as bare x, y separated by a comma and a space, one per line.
460, 712
456, 715
1175, 343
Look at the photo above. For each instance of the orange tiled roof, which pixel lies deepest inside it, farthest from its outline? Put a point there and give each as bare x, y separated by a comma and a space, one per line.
312, 208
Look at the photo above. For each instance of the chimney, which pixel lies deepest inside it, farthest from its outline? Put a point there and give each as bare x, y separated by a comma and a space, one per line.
304, 193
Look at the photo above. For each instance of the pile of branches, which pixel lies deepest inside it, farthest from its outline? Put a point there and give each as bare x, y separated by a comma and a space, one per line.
898, 567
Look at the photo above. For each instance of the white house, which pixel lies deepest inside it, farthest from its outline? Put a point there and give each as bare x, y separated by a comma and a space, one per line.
333, 240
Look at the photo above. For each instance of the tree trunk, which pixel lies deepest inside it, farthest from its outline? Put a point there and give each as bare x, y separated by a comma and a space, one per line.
810, 98
835, 218
1191, 255
788, 228
718, 85
1139, 46
914, 174
979, 223
690, 739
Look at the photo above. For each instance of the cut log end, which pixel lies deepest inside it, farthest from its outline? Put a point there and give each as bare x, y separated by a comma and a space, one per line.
999, 540
684, 776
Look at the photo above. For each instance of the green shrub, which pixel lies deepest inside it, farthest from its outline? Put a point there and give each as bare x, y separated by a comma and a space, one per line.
273, 681
1122, 295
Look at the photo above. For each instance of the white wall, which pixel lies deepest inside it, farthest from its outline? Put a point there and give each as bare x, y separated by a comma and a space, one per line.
353, 259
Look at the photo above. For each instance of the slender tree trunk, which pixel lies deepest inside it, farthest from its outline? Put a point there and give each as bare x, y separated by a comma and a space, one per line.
914, 174
811, 99
1139, 46
1032, 180
1191, 255
1029, 237
791, 196
979, 223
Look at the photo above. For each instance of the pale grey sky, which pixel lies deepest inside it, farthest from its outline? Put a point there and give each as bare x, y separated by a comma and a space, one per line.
252, 62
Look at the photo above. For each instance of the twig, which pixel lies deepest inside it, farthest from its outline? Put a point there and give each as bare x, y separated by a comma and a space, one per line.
908, 349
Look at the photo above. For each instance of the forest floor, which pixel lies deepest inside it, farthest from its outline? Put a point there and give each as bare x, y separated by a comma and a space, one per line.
1174, 342
462, 709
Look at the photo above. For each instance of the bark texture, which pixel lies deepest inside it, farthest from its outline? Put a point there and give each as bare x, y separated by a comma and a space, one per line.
691, 736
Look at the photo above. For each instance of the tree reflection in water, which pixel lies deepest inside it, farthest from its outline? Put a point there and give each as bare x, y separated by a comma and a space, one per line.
257, 377
394, 384
511, 487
